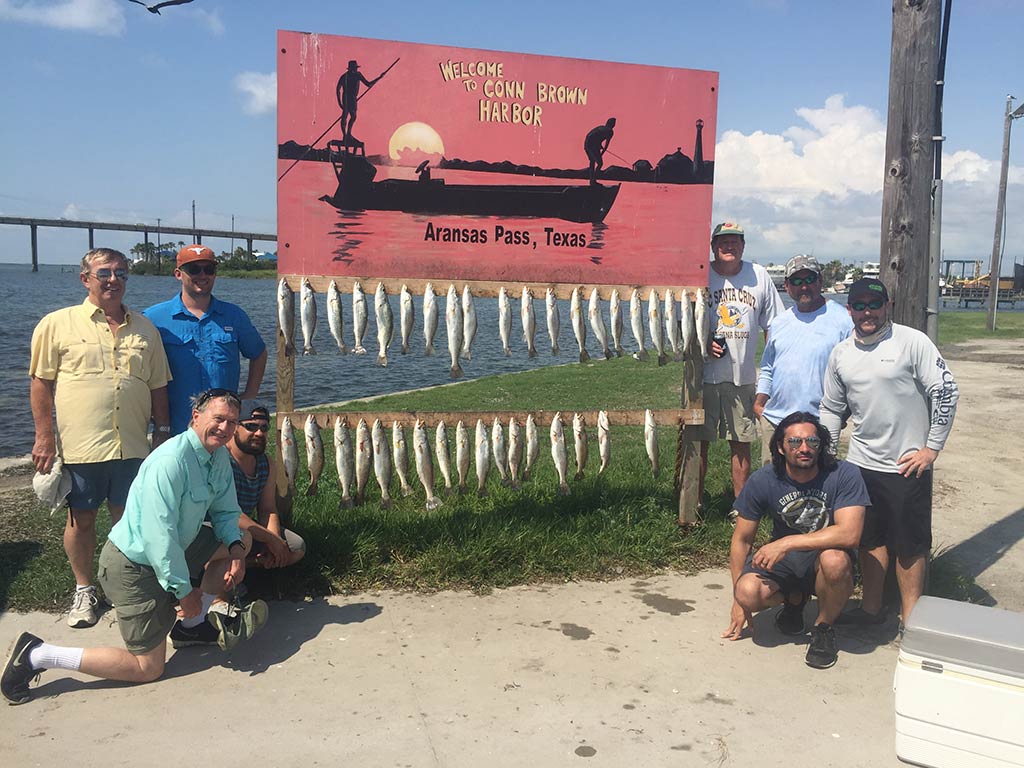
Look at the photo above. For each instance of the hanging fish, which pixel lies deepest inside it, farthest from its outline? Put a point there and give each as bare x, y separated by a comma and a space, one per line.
579, 325
463, 452
551, 305
314, 453
334, 317
532, 446
672, 325
308, 314
615, 312
558, 453
360, 317
702, 320
483, 457
344, 460
468, 323
651, 441
364, 459
686, 321
453, 321
604, 444
597, 323
385, 323
382, 463
286, 316
504, 320
424, 464
515, 451
529, 321
406, 317
400, 455
579, 434
654, 325
443, 459
636, 322
429, 318
500, 451
289, 452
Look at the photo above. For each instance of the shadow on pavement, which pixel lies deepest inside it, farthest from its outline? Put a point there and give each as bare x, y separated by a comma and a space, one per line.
972, 557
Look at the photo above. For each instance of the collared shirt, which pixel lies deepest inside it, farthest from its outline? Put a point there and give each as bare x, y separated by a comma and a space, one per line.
203, 352
177, 488
103, 380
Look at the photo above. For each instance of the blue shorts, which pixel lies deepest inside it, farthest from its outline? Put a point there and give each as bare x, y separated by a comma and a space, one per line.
92, 484
797, 571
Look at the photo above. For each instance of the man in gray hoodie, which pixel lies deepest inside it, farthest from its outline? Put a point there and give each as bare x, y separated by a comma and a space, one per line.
902, 399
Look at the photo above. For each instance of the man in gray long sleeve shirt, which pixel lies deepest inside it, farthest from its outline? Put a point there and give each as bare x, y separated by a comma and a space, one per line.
902, 400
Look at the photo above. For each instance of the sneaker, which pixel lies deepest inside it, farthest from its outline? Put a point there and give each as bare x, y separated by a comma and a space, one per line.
223, 608
17, 671
790, 618
861, 618
822, 653
232, 630
204, 633
83, 608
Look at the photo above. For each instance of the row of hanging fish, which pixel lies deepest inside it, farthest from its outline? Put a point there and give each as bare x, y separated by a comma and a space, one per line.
672, 324
514, 456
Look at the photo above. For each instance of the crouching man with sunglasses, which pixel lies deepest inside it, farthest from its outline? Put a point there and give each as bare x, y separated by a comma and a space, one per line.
274, 546
205, 338
816, 505
162, 566
902, 399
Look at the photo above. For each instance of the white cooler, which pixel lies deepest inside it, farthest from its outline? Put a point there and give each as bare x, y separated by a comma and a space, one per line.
960, 686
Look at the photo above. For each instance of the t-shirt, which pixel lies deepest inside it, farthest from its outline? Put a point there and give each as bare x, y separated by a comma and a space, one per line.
740, 305
249, 489
798, 508
794, 359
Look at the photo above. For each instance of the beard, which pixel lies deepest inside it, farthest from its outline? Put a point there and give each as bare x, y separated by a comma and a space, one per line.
252, 450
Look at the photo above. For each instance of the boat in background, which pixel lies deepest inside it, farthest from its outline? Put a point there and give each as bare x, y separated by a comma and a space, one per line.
777, 272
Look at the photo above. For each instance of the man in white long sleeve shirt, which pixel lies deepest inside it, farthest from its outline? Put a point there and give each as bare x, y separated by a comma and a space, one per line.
902, 399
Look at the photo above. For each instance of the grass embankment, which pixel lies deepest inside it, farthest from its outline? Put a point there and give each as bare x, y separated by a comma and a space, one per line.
958, 327
619, 523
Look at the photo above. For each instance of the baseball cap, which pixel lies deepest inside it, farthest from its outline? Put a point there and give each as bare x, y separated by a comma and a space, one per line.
801, 262
195, 253
868, 286
253, 409
727, 228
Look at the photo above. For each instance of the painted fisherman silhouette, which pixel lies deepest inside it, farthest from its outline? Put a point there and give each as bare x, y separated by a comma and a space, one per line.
348, 97
596, 144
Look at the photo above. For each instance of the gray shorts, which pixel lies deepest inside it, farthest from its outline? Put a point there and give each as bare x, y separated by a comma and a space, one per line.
729, 413
92, 484
145, 610
295, 543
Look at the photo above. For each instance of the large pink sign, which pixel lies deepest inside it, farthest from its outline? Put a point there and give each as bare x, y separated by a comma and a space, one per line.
399, 160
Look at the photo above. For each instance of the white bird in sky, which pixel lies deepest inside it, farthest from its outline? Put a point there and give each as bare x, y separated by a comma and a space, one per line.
155, 8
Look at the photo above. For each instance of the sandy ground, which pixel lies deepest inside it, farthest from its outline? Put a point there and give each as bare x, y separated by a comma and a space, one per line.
617, 673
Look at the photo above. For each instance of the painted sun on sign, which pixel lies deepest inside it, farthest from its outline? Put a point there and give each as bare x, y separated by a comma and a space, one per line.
414, 142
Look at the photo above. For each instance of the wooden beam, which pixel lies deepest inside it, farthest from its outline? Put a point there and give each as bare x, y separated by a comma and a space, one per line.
688, 479
666, 418
285, 400
35, 248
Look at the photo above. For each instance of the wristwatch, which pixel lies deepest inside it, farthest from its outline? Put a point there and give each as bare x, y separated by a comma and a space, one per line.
166, 429
233, 543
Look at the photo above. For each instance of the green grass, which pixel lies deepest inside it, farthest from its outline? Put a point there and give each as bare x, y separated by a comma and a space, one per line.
958, 327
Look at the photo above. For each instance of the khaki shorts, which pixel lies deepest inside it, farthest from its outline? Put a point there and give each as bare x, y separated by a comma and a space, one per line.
729, 412
767, 430
145, 610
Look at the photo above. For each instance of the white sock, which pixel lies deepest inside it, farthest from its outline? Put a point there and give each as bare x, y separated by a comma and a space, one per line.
46, 656
199, 618
82, 587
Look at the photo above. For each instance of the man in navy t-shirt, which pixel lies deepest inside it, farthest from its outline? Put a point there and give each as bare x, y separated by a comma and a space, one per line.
816, 505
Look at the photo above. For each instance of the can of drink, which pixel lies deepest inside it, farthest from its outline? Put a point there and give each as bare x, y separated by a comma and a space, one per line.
719, 339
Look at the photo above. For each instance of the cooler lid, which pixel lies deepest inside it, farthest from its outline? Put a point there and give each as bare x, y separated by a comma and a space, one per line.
974, 636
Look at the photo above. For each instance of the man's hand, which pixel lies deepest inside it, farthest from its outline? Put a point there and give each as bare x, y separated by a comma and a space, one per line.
44, 451
234, 575
917, 462
770, 554
760, 401
190, 604
738, 619
277, 552
716, 349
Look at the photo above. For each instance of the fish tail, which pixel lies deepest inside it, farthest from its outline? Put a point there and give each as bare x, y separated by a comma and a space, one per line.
554, 349
433, 503
456, 371
289, 349
642, 355
532, 352
385, 503
382, 360
607, 354
430, 349
311, 490
584, 357
579, 475
662, 359
481, 492
405, 348
343, 348
563, 489
359, 350
360, 497
508, 352
345, 503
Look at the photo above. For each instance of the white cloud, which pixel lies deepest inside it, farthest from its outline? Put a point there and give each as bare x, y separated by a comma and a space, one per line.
210, 19
103, 17
817, 187
260, 91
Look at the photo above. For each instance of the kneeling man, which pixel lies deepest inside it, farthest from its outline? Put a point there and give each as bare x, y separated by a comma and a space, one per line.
816, 504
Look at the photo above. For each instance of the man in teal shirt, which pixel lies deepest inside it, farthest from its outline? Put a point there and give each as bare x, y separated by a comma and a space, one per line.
155, 553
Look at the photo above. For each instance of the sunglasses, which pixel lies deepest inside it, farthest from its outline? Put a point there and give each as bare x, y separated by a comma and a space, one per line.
795, 442
217, 392
874, 304
798, 281
194, 269
254, 426
105, 274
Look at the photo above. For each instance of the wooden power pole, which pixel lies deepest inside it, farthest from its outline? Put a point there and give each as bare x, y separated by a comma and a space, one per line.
910, 158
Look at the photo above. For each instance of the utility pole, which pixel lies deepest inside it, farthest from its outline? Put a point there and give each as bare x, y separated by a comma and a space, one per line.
194, 235
158, 245
997, 256
232, 237
910, 159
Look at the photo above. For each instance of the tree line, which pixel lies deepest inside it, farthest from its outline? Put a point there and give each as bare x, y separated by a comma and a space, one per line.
153, 259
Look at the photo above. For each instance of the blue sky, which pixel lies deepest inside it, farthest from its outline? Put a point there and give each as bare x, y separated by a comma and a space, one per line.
114, 113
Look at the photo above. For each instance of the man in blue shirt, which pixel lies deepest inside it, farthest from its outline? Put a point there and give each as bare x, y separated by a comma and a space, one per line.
799, 343
155, 555
204, 338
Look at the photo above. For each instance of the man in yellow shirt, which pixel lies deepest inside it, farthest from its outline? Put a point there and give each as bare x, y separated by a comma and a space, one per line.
102, 368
